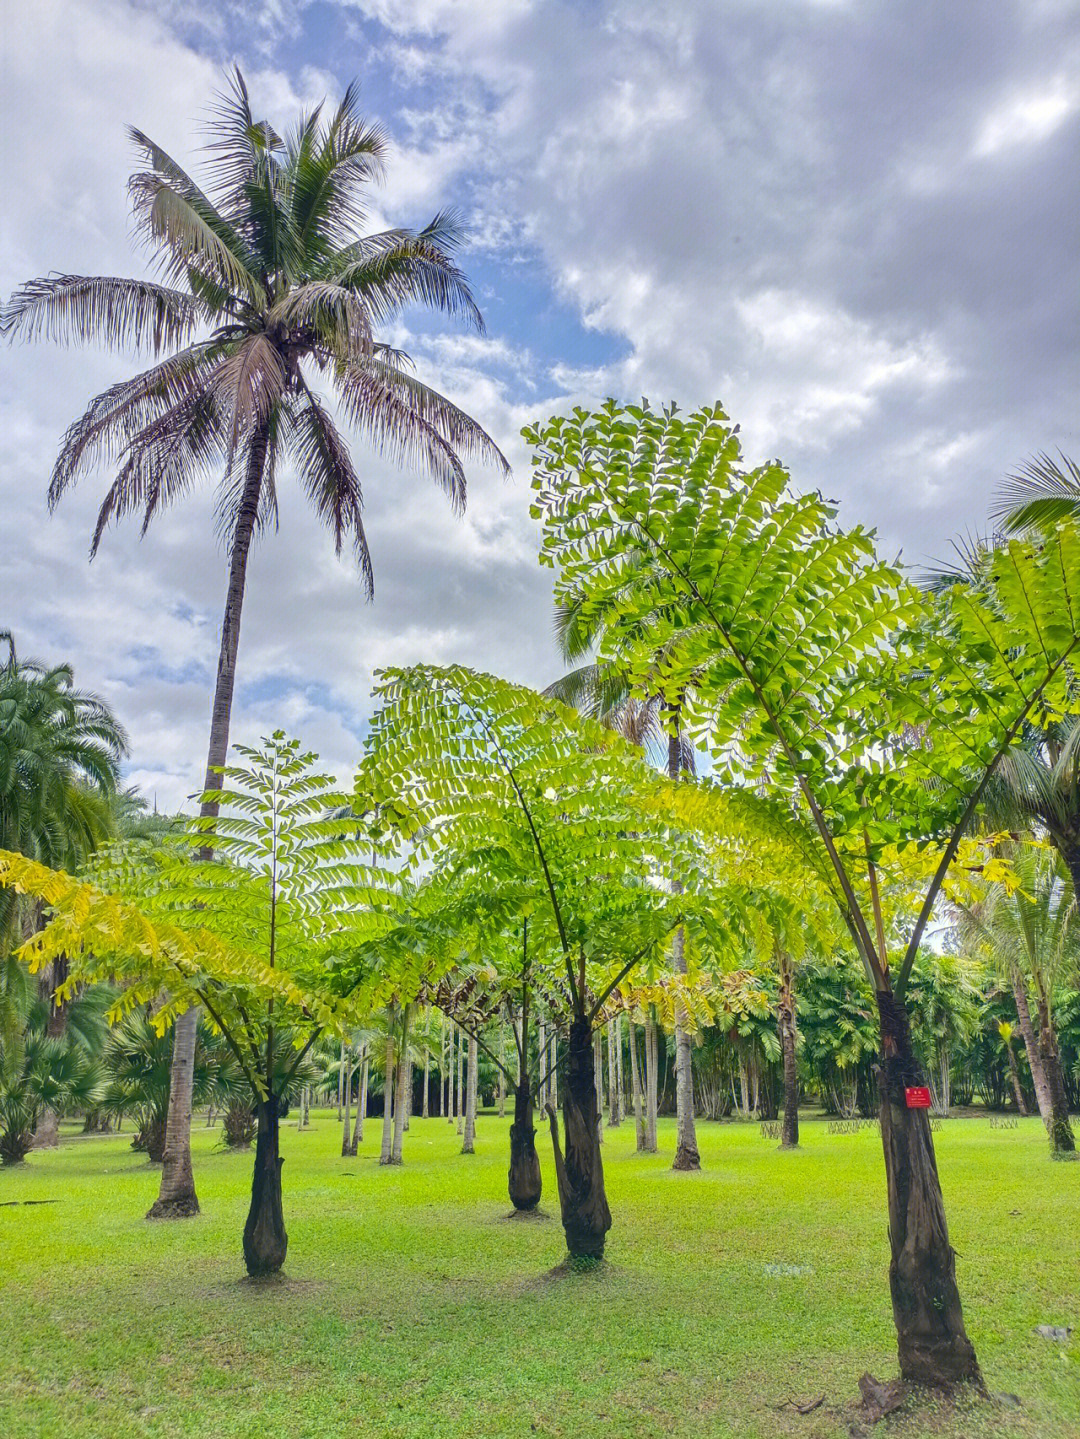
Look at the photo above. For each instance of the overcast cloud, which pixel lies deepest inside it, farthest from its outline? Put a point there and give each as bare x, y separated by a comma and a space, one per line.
855, 224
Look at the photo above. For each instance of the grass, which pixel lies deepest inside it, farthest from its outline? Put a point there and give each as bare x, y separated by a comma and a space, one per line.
411, 1309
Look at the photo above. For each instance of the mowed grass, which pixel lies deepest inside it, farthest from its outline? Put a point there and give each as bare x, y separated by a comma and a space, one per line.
412, 1309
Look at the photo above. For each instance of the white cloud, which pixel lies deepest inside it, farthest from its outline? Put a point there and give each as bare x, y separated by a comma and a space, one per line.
1028, 117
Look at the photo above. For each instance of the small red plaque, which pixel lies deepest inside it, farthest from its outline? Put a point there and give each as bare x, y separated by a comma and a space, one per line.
917, 1096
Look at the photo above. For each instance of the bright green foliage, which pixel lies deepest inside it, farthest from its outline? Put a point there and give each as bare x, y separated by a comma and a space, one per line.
810, 668
529, 812
260, 936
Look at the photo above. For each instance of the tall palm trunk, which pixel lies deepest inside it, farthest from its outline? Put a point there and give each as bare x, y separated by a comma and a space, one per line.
177, 1196
789, 1136
652, 1065
361, 1102
1035, 1064
635, 1084
426, 1109
1062, 1139
401, 1091
544, 1094
459, 1082
346, 1133
932, 1342
614, 1040
386, 1155
598, 1079
469, 1143
341, 1081
580, 1173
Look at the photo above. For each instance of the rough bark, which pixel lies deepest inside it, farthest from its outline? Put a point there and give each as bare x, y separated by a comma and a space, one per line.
468, 1145
586, 1217
635, 1084
1062, 1139
789, 1134
1035, 1064
265, 1239
177, 1197
524, 1179
933, 1346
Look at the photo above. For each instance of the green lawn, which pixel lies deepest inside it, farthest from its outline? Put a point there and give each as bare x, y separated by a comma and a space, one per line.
411, 1307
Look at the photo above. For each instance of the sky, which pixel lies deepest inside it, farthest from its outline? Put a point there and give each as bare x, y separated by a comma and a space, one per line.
855, 223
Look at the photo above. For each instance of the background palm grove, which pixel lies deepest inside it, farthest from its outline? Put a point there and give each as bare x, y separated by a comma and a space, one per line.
730, 850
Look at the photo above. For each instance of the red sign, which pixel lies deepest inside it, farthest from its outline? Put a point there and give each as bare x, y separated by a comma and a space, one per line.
917, 1096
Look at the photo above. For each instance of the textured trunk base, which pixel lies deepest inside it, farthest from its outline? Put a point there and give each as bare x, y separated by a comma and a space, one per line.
265, 1240
524, 1179
47, 1133
586, 1217
183, 1206
686, 1158
932, 1344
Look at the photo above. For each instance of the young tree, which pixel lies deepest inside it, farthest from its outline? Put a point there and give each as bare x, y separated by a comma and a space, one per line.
271, 288
829, 688
260, 938
551, 815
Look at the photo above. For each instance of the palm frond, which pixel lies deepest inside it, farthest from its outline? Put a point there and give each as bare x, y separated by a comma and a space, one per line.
400, 268
120, 313
1041, 494
325, 469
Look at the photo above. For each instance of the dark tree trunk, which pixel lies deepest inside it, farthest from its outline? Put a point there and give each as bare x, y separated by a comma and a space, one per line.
933, 1345
154, 1139
789, 1135
265, 1240
1062, 1139
177, 1197
585, 1214
525, 1182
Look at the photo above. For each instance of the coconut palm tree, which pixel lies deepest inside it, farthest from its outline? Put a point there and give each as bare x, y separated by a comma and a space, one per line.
268, 286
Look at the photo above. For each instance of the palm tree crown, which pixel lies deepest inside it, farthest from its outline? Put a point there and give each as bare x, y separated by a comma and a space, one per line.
266, 283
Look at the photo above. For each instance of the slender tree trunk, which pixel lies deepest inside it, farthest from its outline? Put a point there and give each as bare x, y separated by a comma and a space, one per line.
346, 1134
401, 1093
469, 1143
408, 1081
620, 1083
426, 1110
361, 1101
502, 1077
586, 1217
265, 1240
1062, 1139
635, 1084
614, 1097
1014, 1077
789, 1135
177, 1197
460, 1083
447, 1070
744, 1088
553, 1068
1034, 1058
598, 1075
542, 1063
651, 1069
933, 1345
686, 1149
386, 1155
341, 1082
47, 1129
